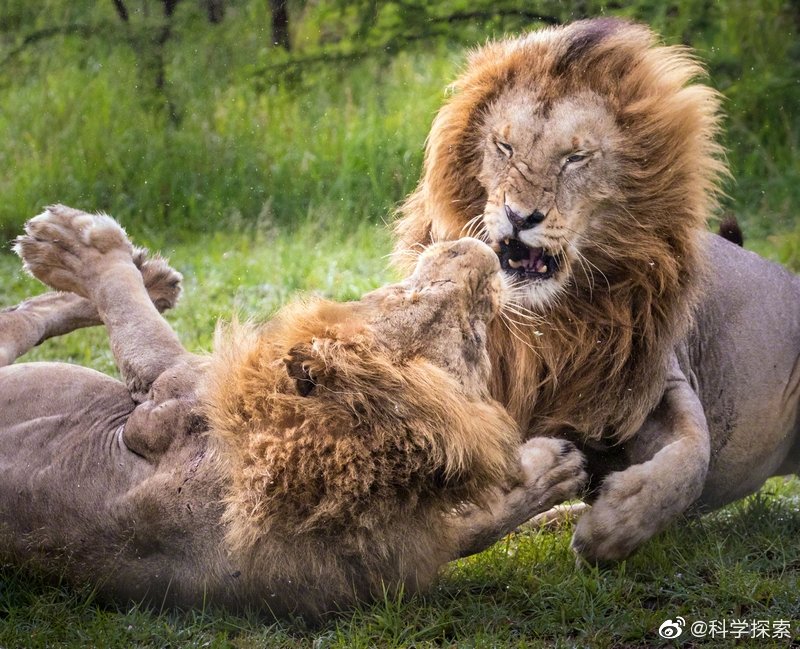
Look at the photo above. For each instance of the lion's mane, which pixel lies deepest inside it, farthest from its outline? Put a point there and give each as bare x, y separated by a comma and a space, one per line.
595, 364
332, 497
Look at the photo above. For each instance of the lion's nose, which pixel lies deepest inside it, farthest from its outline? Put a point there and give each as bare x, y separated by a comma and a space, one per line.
524, 222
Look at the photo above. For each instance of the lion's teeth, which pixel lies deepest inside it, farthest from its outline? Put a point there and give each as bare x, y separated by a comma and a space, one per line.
514, 264
543, 268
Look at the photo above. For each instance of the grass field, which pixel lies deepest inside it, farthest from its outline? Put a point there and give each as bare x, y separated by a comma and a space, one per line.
742, 563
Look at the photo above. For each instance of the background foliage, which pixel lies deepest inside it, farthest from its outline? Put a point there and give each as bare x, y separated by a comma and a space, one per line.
170, 120
262, 146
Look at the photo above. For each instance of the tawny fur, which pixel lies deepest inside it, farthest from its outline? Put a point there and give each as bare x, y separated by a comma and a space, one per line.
337, 452
344, 487
586, 155
597, 364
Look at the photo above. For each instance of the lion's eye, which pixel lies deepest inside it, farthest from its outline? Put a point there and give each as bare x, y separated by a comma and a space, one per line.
505, 148
575, 157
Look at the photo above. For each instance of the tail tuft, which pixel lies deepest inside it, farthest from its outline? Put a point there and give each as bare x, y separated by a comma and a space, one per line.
729, 229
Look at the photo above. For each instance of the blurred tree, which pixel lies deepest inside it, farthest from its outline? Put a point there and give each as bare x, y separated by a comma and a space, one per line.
169, 7
215, 10
352, 29
280, 23
122, 10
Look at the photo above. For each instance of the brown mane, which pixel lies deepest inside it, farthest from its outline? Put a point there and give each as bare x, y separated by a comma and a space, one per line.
381, 455
595, 363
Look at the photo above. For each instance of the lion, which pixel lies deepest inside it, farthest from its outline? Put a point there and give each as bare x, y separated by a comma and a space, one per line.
318, 460
586, 155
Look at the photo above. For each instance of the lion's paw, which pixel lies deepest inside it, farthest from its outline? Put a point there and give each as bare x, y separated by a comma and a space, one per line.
620, 520
163, 283
64, 247
553, 470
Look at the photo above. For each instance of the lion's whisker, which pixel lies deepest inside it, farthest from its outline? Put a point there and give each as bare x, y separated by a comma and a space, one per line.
512, 328
585, 259
472, 224
524, 314
413, 254
594, 242
587, 272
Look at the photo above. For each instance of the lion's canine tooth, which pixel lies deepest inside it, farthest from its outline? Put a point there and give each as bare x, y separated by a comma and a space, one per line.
514, 264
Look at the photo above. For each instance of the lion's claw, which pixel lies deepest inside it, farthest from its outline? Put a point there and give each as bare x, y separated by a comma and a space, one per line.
163, 283
620, 519
554, 470
67, 249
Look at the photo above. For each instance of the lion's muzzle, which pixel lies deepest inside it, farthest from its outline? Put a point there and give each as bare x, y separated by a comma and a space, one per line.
526, 262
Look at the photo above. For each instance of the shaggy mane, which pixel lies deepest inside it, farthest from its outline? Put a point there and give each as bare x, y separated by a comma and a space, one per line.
595, 364
376, 442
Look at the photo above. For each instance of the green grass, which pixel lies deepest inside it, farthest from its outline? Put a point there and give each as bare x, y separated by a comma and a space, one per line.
740, 563
81, 122
346, 142
248, 274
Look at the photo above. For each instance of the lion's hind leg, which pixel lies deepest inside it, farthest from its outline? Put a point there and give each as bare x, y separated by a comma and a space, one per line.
45, 316
91, 256
38, 318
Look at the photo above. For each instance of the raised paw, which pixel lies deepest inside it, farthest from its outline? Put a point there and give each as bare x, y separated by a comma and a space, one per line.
163, 283
629, 510
553, 470
66, 248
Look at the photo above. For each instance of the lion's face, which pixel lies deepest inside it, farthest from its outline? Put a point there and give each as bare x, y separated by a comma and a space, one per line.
440, 313
548, 169
586, 156
438, 317
357, 411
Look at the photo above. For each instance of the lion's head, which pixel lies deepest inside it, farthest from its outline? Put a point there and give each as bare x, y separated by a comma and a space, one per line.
586, 157
355, 429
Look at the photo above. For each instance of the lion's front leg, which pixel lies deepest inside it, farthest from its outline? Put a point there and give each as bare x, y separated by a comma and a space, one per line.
46, 316
90, 255
670, 456
552, 471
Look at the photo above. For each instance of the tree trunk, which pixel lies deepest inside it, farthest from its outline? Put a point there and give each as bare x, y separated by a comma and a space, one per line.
215, 10
169, 7
122, 10
280, 24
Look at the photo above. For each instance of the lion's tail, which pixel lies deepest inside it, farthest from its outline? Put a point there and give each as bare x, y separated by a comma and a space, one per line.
729, 229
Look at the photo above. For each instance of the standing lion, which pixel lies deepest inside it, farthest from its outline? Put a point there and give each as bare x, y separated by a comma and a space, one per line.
586, 156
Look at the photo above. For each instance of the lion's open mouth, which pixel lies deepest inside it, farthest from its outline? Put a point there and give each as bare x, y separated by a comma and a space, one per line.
523, 261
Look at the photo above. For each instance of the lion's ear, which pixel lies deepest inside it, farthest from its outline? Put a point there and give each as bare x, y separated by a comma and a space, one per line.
305, 367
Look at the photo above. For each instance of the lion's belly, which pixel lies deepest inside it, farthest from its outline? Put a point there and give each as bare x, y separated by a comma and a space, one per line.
75, 500
34, 390
61, 461
744, 360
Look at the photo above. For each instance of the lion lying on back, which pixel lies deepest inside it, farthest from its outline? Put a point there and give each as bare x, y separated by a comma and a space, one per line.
586, 156
337, 450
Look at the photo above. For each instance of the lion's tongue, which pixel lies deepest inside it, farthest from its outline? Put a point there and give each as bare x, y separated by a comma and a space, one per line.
532, 263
